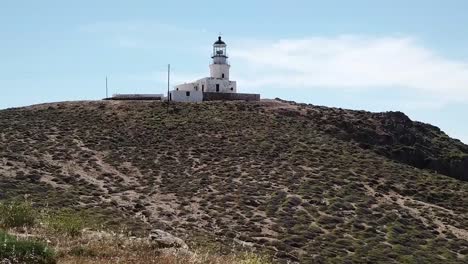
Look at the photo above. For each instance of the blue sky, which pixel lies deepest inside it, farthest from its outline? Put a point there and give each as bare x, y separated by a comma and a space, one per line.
410, 56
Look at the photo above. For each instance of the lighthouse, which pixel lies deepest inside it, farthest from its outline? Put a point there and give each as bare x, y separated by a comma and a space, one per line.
219, 68
216, 87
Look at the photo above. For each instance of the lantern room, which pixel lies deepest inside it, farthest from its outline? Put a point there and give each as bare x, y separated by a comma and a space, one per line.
219, 52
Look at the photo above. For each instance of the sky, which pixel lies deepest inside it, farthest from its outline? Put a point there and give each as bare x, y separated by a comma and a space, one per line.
409, 56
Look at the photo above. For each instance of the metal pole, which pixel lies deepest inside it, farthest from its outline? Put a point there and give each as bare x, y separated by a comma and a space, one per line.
168, 79
107, 96
168, 84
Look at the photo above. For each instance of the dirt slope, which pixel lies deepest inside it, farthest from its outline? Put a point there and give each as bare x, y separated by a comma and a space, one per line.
306, 183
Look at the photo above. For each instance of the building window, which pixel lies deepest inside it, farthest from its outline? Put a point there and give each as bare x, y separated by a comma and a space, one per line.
203, 88
177, 89
222, 75
232, 89
217, 87
187, 93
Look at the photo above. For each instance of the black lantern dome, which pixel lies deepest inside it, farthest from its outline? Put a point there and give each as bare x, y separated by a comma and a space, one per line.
219, 51
219, 41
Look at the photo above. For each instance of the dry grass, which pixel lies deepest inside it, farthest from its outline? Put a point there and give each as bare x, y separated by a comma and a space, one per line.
104, 247
271, 176
167, 258
39, 235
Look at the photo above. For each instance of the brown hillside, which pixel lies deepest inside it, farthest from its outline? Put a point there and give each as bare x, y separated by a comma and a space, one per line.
308, 184
395, 136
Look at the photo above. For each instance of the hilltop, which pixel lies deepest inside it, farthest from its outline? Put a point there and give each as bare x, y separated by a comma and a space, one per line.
304, 183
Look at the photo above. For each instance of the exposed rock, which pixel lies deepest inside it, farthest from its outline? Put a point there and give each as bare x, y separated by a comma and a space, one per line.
165, 240
391, 134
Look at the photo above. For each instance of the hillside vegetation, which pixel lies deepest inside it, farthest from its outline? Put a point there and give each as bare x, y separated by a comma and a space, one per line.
394, 135
46, 236
303, 183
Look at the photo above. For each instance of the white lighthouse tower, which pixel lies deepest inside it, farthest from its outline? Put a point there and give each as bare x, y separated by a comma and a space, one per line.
216, 87
219, 69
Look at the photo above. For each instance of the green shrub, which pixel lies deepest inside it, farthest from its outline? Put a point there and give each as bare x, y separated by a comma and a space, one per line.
14, 250
65, 222
17, 214
252, 258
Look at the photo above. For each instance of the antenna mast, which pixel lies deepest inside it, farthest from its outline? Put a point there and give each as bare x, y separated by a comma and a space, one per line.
168, 80
107, 96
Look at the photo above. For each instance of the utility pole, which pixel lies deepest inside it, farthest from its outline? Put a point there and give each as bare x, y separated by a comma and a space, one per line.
168, 85
107, 96
168, 79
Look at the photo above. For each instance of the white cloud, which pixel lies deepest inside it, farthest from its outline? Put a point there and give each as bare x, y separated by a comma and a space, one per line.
349, 62
141, 33
352, 62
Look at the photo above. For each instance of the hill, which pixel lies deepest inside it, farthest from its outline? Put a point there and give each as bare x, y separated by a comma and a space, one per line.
394, 135
305, 183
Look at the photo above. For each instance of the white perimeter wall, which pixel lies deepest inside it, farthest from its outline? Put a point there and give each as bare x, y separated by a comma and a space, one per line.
186, 96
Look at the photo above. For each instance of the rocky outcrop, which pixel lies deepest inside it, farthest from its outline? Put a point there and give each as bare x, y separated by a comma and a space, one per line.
163, 239
391, 134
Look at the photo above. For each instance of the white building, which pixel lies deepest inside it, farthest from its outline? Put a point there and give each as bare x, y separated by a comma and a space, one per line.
136, 97
218, 82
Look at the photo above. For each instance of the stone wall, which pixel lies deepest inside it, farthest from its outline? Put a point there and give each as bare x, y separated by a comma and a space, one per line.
207, 96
